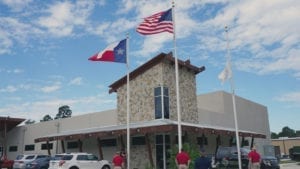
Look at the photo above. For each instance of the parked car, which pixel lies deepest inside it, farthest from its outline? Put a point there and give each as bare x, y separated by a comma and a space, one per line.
6, 163
269, 162
227, 157
40, 163
78, 161
21, 160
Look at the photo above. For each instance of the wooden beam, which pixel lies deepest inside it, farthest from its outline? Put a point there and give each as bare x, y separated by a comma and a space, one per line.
63, 146
122, 143
48, 148
79, 145
100, 148
148, 143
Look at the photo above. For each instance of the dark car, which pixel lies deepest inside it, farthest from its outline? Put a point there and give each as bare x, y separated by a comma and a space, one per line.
40, 163
269, 162
227, 157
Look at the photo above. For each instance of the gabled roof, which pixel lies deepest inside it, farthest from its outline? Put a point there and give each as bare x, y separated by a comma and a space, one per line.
151, 63
9, 123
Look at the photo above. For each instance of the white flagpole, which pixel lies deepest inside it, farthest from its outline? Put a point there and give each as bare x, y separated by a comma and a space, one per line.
128, 99
234, 103
177, 80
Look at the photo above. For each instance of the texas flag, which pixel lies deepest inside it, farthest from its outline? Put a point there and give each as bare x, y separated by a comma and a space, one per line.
115, 52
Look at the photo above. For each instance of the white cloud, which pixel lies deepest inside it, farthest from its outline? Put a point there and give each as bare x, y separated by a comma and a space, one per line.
9, 89
264, 35
15, 71
293, 97
36, 110
57, 22
154, 43
5, 42
52, 88
76, 81
14, 31
16, 5
62, 17
290, 62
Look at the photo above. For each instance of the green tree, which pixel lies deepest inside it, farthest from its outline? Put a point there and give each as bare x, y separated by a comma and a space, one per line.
46, 118
287, 132
63, 112
29, 121
274, 135
191, 149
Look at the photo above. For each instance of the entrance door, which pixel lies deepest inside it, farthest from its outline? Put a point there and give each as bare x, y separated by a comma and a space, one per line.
162, 154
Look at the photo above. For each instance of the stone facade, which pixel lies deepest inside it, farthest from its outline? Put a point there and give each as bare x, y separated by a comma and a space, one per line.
142, 94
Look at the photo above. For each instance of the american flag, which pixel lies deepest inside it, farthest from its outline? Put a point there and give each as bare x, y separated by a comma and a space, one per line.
157, 23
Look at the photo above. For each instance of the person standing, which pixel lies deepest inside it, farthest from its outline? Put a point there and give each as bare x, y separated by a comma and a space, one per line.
183, 160
118, 161
124, 156
254, 159
202, 162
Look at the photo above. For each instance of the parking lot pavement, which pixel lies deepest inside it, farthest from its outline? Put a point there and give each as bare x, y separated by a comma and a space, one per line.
290, 166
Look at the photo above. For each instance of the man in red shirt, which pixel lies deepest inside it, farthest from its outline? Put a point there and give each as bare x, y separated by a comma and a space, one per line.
254, 159
118, 161
183, 160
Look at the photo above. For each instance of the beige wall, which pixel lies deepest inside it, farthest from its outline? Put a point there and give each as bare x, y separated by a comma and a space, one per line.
25, 135
285, 144
216, 109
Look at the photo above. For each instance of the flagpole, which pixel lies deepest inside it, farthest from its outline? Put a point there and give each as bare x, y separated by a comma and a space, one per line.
128, 99
177, 80
233, 103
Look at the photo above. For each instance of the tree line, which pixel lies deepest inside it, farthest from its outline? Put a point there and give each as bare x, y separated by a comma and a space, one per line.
63, 112
286, 132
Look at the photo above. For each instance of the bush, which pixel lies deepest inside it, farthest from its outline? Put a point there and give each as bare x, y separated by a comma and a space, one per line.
192, 150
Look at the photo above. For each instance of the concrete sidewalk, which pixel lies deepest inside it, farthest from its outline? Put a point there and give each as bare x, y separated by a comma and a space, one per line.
295, 165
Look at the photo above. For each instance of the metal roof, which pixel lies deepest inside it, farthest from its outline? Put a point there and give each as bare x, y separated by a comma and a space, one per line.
154, 61
154, 126
9, 123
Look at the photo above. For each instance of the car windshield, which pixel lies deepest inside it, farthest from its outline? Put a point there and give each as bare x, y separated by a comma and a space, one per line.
67, 157
223, 152
29, 157
242, 150
19, 157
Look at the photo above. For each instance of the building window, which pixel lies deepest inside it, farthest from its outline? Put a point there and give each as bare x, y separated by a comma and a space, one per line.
109, 143
161, 100
44, 146
202, 141
162, 145
140, 140
13, 148
183, 139
29, 147
73, 144
232, 141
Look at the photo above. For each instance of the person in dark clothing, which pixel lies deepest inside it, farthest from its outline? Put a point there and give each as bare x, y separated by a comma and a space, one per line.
202, 162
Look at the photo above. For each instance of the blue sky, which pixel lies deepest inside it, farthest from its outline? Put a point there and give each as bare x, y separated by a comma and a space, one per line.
45, 46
